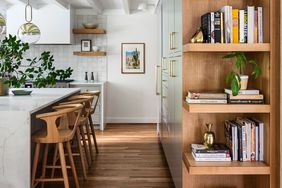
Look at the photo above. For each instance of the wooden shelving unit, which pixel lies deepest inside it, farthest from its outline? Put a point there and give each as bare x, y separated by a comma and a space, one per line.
259, 47
204, 69
224, 168
226, 108
89, 31
90, 53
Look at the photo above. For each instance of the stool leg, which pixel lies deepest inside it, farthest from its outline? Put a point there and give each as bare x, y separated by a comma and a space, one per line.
44, 162
72, 164
89, 141
63, 164
93, 133
54, 160
83, 164
35, 162
85, 146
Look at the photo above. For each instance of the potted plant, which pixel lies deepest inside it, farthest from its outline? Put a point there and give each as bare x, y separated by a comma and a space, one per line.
15, 70
237, 78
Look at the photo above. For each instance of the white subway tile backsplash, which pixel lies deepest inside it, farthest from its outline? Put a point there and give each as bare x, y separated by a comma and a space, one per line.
63, 54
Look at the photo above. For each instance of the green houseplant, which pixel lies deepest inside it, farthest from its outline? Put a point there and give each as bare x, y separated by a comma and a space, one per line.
15, 70
236, 77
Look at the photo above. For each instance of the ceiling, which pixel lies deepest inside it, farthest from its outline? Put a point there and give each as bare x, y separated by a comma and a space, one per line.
99, 6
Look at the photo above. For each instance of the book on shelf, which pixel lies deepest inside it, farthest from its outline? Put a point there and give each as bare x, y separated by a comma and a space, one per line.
244, 138
217, 148
233, 25
203, 95
244, 101
211, 155
206, 101
246, 97
243, 92
209, 159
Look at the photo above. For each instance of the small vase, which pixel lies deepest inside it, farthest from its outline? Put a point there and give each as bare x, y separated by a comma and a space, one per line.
92, 77
4, 88
86, 77
244, 82
209, 136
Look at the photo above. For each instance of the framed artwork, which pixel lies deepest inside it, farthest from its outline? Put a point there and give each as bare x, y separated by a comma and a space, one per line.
133, 58
85, 45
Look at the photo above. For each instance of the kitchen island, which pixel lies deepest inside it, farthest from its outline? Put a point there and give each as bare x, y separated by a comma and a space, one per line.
16, 121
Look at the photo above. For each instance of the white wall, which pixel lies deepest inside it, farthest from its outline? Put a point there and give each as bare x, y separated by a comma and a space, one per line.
131, 97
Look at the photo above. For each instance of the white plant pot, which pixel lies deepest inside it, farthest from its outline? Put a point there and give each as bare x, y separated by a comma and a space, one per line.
244, 82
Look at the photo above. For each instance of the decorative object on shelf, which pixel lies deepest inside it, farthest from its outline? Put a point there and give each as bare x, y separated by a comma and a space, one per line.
86, 77
133, 58
92, 77
95, 48
239, 81
86, 45
29, 32
2, 24
209, 136
90, 25
198, 37
39, 70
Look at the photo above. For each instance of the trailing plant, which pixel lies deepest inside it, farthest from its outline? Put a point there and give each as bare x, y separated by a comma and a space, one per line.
241, 62
39, 69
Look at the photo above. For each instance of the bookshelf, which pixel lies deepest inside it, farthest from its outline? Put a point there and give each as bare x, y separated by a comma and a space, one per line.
204, 69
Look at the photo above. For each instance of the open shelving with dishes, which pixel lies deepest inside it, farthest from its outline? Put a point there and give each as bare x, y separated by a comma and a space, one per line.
204, 69
99, 53
88, 31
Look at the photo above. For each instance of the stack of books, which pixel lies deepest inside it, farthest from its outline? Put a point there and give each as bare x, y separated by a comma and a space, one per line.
245, 97
230, 25
206, 98
244, 138
219, 152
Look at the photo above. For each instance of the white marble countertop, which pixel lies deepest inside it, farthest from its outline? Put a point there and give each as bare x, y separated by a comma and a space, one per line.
39, 99
78, 82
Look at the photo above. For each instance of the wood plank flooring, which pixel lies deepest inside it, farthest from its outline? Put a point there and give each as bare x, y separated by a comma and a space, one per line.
130, 156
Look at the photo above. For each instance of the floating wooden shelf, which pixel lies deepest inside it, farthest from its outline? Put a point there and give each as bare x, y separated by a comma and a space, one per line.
258, 47
224, 168
88, 31
90, 53
226, 108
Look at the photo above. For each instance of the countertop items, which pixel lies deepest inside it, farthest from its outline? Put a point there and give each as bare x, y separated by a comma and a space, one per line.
16, 126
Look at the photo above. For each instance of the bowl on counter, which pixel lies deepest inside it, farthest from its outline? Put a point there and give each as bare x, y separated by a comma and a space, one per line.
90, 25
21, 92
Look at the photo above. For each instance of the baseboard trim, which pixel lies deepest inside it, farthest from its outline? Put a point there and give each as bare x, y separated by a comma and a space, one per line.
133, 120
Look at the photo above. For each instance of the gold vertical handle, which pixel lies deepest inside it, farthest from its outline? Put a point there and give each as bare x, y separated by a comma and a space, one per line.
170, 41
174, 40
173, 62
157, 79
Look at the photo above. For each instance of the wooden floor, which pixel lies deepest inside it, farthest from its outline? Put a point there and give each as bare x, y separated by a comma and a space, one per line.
130, 156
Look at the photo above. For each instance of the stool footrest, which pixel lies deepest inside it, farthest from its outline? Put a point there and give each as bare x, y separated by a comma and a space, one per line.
49, 180
51, 166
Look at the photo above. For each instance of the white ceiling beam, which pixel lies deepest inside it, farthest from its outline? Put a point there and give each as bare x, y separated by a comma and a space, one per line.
156, 5
22, 2
125, 5
61, 3
96, 6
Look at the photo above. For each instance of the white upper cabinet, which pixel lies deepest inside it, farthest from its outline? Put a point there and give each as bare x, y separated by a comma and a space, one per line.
55, 23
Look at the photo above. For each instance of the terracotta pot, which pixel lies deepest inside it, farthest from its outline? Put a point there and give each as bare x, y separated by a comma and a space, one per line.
4, 88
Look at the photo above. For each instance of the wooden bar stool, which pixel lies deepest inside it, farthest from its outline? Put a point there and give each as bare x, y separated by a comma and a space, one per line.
57, 132
83, 123
96, 95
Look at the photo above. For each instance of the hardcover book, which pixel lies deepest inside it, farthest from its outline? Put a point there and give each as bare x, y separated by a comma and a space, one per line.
251, 24
206, 27
235, 22
198, 95
217, 27
260, 25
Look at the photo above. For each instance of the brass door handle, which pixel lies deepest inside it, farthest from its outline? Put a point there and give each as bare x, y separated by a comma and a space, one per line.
173, 62
174, 41
157, 80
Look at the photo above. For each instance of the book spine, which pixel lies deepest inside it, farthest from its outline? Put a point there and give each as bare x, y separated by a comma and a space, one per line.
222, 31
236, 144
227, 27
212, 155
243, 92
257, 142
260, 25
251, 15
211, 159
253, 142
235, 22
261, 141
230, 24
233, 138
240, 144
206, 26
212, 27
206, 101
241, 26
245, 26
217, 27
246, 97
192, 95
211, 151
244, 143
245, 101
256, 27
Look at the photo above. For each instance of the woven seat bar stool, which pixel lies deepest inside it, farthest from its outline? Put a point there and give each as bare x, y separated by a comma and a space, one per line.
57, 132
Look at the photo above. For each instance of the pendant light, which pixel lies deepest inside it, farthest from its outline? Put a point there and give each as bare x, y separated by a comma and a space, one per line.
29, 32
2, 24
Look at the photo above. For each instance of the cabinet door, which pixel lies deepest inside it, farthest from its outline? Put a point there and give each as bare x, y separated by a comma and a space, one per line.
165, 28
177, 35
